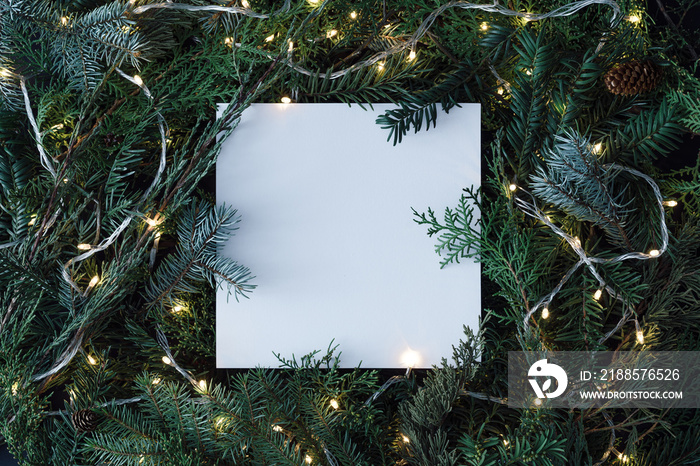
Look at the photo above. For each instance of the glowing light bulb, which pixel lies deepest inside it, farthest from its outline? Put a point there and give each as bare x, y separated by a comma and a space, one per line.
654, 252
270, 38
286, 100
334, 404
405, 439
671, 203
331, 33
91, 360
84, 247
528, 72
277, 428
15, 388
156, 381
290, 49
597, 294
5, 73
202, 384
512, 187
152, 222
577, 242
505, 441
353, 15
640, 337
93, 281
380, 65
484, 26
138, 80
598, 148
32, 221
545, 313
410, 358
412, 55
538, 402
177, 308
228, 41
245, 4
166, 360
633, 19
64, 20
308, 459
313, 2
499, 91
143, 458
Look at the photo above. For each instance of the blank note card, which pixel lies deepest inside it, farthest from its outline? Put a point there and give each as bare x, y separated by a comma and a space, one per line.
327, 230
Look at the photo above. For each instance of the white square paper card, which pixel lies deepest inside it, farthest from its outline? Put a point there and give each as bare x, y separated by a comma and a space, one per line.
327, 229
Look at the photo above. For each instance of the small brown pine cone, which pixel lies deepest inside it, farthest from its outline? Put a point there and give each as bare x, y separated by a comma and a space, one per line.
84, 420
634, 77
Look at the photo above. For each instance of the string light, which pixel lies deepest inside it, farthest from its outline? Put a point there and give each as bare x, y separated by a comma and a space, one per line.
545, 313
152, 222
64, 20
15, 388
138, 80
640, 334
166, 360
277, 428
654, 252
505, 441
143, 458
5, 73
290, 49
577, 242
597, 294
84, 247
380, 65
32, 220
671, 203
633, 19
412, 55
484, 26
91, 360
334, 404
313, 2
353, 15
308, 459
405, 439
270, 38
286, 100
331, 33
177, 309
410, 358
202, 384
228, 41
537, 402
499, 91
245, 4
513, 187
156, 381
93, 281
598, 148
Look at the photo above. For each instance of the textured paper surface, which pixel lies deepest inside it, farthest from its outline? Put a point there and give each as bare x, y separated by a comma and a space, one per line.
327, 230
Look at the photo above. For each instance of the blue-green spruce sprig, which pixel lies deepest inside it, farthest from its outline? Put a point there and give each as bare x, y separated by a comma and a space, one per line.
576, 183
202, 231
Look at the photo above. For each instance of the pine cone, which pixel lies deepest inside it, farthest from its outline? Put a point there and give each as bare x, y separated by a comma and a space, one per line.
633, 77
84, 420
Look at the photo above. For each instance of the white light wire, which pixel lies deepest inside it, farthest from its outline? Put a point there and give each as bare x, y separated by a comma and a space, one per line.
532, 210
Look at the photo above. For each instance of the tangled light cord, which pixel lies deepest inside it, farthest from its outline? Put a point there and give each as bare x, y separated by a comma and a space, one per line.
531, 209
